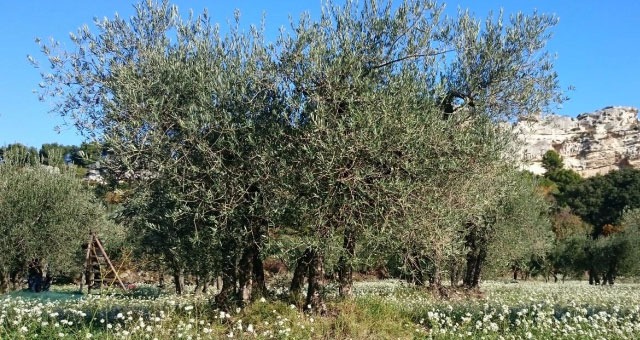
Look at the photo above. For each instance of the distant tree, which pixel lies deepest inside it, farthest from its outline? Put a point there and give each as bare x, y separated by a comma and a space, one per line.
522, 229
566, 224
551, 161
564, 180
569, 256
158, 230
54, 154
628, 264
615, 251
44, 215
19, 154
558, 178
572, 238
602, 200
87, 153
604, 255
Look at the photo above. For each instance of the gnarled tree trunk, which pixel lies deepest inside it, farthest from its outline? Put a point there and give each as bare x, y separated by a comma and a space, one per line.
345, 266
315, 296
178, 280
259, 283
301, 271
245, 274
251, 280
228, 273
476, 243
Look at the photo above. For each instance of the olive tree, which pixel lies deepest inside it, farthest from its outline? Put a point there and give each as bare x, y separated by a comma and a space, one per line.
45, 214
523, 227
19, 154
500, 69
615, 253
629, 240
399, 109
370, 121
190, 118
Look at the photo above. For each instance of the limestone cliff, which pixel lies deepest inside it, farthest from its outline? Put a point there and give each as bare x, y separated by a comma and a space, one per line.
591, 143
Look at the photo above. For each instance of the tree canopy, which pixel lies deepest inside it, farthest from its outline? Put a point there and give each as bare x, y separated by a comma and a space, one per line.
551, 161
602, 200
45, 213
373, 126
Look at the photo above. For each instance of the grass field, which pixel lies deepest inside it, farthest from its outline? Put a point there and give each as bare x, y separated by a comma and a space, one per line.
380, 310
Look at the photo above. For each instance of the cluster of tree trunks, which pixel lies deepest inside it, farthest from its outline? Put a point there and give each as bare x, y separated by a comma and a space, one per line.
310, 266
424, 271
37, 279
476, 243
603, 274
9, 281
596, 278
243, 278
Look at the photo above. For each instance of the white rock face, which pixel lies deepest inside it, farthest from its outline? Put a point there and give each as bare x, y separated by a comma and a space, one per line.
591, 143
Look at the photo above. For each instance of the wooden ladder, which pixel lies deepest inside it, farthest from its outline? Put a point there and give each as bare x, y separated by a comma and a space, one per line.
94, 274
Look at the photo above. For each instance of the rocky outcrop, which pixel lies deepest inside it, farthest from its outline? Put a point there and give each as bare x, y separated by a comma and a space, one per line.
591, 143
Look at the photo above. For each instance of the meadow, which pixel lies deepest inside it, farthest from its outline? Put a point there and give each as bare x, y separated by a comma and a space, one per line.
379, 310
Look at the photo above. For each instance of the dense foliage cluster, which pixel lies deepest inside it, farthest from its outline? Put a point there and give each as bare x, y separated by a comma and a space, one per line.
53, 154
594, 221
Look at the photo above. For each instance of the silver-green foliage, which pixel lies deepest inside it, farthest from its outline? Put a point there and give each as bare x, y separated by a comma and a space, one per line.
193, 121
624, 247
523, 228
47, 214
378, 156
373, 122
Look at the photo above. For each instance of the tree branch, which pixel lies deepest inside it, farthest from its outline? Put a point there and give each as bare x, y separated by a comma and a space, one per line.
410, 56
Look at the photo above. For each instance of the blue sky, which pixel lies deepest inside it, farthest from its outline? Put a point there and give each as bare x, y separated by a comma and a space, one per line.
597, 43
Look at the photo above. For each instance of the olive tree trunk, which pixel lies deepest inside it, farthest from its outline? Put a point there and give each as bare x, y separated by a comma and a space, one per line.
345, 266
315, 297
301, 271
